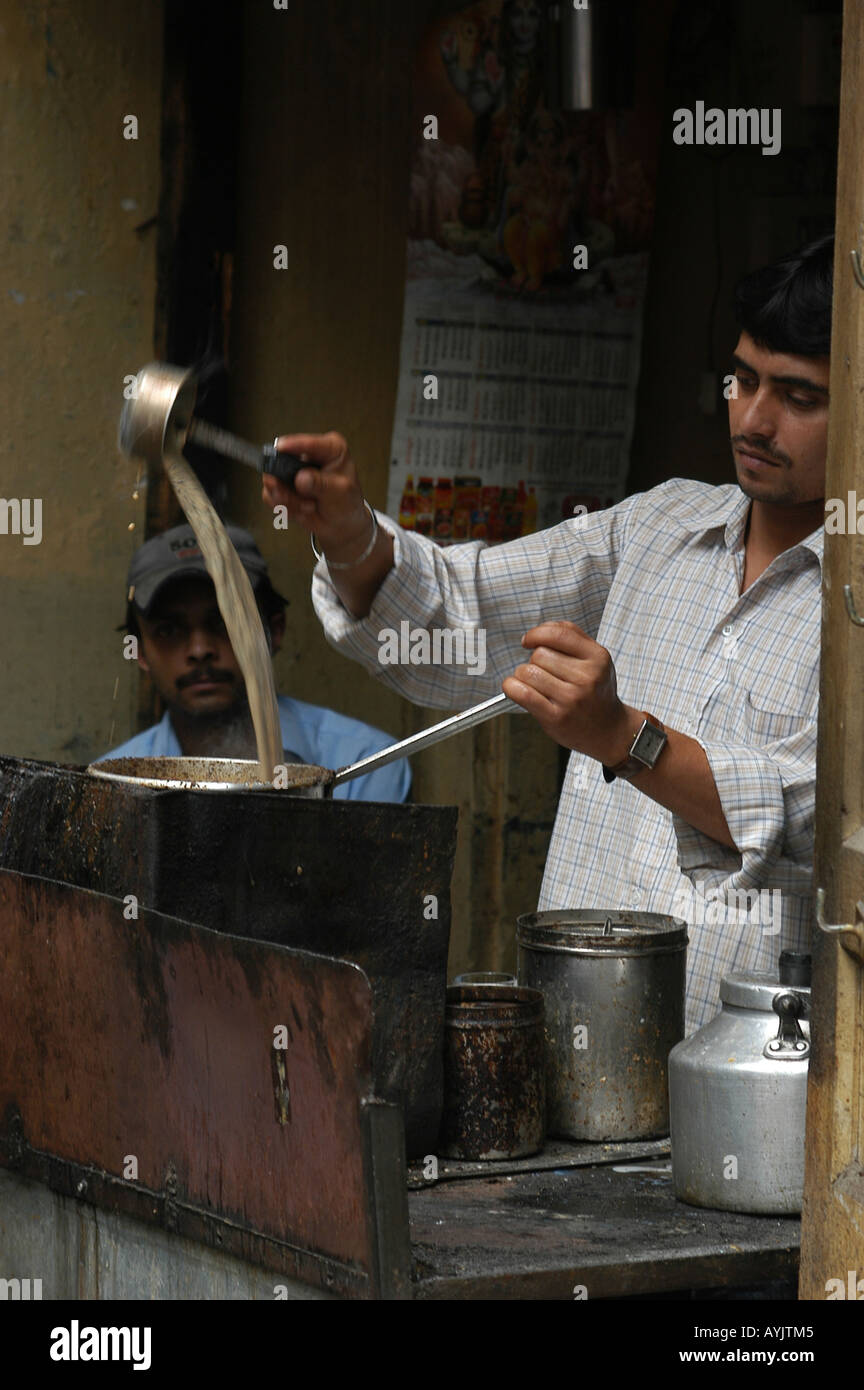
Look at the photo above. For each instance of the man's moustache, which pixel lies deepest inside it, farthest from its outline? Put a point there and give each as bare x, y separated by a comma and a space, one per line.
759, 449
197, 677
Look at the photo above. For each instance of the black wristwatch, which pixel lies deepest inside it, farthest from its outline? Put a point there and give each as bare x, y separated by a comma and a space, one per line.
644, 750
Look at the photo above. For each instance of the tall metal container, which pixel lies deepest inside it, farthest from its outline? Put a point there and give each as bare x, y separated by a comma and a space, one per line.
738, 1093
613, 984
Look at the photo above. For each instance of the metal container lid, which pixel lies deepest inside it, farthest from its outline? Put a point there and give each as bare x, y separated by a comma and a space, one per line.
597, 932
755, 989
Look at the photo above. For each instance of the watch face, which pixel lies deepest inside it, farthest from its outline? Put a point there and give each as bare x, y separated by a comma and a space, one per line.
648, 745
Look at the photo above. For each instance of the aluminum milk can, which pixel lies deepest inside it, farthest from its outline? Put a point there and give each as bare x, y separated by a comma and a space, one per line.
613, 983
738, 1095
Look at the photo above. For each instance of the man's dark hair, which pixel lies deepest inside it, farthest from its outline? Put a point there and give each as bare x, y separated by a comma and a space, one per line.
786, 307
269, 603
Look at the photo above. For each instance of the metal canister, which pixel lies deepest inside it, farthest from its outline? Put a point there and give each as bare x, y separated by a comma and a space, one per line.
613, 986
494, 1072
738, 1094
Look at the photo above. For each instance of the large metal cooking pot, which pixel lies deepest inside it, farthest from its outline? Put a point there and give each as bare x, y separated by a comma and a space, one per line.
299, 779
613, 983
738, 1096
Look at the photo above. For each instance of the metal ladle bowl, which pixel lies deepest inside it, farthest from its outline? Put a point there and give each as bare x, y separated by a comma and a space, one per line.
158, 419
155, 419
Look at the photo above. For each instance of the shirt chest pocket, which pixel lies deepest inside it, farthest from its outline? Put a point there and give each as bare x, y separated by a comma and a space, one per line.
768, 717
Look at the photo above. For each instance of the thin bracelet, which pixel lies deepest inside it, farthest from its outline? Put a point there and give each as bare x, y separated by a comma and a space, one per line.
350, 565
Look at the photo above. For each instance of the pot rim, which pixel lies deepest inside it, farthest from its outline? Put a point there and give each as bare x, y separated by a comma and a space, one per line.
580, 931
122, 770
490, 1006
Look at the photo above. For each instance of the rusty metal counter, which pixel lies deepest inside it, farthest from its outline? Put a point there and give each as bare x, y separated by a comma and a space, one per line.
159, 1137
535, 1234
261, 1170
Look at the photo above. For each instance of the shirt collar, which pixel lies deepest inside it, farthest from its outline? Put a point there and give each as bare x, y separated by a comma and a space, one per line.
731, 513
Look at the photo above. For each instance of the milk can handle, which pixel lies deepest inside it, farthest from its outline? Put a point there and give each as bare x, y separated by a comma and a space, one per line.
790, 1043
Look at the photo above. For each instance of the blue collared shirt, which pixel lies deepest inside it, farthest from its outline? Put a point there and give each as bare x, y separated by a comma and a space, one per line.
313, 734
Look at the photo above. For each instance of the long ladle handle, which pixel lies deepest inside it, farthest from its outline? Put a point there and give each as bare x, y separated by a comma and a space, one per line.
265, 460
477, 714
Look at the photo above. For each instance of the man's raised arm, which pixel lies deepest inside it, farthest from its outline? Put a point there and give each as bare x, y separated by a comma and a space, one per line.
469, 603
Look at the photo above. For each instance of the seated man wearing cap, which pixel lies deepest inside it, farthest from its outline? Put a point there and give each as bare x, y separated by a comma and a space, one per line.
183, 645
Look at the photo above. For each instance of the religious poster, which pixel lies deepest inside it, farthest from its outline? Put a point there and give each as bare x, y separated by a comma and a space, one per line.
526, 267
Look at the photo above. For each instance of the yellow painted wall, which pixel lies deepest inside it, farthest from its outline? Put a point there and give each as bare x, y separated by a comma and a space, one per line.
78, 289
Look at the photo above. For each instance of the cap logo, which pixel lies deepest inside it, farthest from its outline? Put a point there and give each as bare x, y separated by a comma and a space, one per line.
185, 546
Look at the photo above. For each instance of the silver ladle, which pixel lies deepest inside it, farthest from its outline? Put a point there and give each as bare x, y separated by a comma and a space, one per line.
159, 417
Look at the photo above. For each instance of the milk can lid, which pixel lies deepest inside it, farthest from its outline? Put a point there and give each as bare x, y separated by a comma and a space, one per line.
755, 989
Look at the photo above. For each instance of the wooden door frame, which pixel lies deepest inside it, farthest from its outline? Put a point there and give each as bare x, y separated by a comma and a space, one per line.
832, 1242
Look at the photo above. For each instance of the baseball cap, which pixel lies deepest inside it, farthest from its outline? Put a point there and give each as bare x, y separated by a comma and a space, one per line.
174, 554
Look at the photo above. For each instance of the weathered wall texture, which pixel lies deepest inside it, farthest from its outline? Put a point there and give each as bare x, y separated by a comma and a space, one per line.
324, 157
78, 288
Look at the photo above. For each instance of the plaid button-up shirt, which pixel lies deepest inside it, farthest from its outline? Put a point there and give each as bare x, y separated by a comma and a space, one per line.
656, 580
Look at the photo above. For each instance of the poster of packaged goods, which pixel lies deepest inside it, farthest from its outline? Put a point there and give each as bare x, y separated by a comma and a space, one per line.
526, 263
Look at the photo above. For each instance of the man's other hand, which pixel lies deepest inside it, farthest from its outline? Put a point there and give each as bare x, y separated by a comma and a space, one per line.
569, 687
